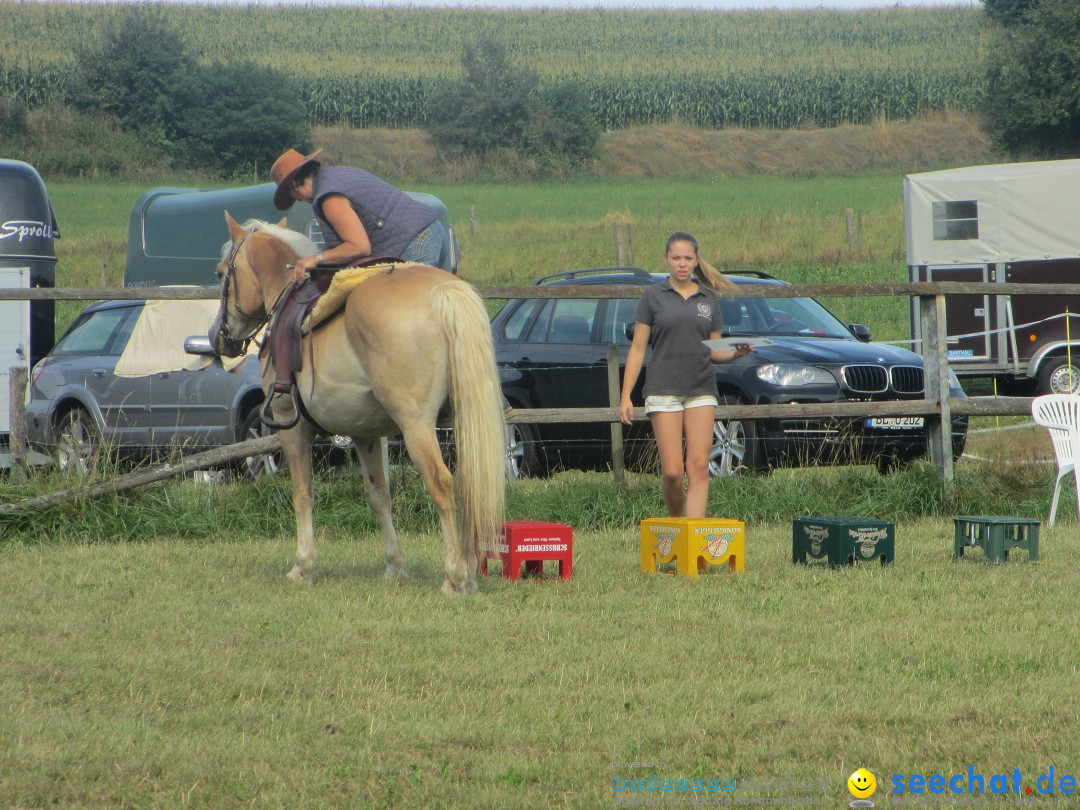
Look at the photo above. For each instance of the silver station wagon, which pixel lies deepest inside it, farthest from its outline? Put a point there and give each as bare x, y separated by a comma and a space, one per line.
138, 379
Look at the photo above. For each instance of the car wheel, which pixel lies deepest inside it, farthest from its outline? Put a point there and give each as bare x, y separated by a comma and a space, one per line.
253, 467
76, 442
735, 449
1058, 376
524, 456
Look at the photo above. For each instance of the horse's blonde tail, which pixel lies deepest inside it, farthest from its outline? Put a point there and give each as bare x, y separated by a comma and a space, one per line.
479, 425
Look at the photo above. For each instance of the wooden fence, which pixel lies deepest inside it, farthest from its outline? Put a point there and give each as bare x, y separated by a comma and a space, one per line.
936, 407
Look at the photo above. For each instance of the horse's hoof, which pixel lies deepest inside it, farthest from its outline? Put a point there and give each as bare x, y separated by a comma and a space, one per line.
471, 585
450, 590
299, 576
396, 571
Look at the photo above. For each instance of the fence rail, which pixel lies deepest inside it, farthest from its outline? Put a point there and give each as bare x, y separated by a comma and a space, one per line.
936, 407
920, 289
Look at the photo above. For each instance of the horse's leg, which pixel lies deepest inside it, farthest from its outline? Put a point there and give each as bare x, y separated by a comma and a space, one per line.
296, 443
377, 494
423, 449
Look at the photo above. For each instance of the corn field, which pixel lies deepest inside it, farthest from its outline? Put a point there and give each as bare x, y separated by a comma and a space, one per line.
379, 66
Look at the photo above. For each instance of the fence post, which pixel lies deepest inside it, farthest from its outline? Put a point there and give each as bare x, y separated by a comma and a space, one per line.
473, 220
618, 464
18, 377
620, 248
936, 381
849, 226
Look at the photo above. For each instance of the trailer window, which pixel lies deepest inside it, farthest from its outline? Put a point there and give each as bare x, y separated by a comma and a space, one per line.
954, 220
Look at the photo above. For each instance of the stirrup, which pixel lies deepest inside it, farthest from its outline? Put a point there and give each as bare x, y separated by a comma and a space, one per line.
268, 420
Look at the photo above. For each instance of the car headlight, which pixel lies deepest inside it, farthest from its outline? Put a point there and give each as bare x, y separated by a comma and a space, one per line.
789, 374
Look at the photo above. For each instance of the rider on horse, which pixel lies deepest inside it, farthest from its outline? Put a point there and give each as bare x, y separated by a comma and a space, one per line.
360, 214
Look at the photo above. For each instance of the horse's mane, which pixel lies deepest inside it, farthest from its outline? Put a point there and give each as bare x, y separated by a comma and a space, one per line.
300, 244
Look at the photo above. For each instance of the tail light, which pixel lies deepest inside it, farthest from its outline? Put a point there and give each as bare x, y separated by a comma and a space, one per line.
40, 367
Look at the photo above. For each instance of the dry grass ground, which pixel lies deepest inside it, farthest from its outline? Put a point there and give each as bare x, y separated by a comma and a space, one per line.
931, 141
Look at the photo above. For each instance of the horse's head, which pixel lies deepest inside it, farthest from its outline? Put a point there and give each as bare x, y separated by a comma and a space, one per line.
255, 270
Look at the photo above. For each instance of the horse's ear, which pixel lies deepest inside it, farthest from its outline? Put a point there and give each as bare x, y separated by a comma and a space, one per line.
281, 222
235, 229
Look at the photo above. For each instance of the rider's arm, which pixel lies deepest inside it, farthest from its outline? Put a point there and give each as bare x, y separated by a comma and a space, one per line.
355, 243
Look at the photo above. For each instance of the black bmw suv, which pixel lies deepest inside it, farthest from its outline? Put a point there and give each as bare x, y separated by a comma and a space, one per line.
552, 353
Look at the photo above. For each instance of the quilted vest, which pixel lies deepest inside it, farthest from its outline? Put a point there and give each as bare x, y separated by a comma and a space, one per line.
391, 217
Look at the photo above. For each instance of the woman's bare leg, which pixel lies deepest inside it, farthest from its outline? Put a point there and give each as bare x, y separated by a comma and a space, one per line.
668, 429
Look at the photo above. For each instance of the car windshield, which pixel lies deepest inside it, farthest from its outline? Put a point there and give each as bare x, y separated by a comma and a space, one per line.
104, 331
780, 316
592, 320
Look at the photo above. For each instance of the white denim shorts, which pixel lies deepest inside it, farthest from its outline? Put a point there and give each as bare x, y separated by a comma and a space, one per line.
667, 404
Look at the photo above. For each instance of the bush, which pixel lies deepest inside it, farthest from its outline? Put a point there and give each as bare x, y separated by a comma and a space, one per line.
1034, 77
245, 114
61, 141
499, 110
12, 117
139, 73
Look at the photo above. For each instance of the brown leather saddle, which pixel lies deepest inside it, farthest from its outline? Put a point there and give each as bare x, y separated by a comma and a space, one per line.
285, 331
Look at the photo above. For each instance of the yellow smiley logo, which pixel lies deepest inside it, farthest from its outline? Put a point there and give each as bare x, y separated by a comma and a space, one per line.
862, 784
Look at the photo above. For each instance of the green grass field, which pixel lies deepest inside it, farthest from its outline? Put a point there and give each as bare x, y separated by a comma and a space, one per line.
186, 672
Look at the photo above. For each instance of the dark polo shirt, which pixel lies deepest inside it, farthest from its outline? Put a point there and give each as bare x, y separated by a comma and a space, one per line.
680, 364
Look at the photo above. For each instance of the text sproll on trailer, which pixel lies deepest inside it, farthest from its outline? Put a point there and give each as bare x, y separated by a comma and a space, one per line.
27, 259
1013, 223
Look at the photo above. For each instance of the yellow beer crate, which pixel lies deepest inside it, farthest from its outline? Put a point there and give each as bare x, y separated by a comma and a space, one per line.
694, 544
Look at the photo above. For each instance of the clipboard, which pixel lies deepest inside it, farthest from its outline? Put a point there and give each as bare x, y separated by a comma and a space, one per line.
728, 344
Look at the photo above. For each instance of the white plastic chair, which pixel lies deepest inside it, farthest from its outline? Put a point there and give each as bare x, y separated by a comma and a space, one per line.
1060, 414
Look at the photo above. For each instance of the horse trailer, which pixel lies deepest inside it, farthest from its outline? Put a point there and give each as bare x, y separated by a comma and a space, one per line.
175, 235
27, 259
1014, 223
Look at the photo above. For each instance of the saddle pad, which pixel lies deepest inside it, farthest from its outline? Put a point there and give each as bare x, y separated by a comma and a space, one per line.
344, 282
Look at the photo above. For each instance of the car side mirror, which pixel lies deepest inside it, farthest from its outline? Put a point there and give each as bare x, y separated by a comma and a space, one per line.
630, 329
199, 344
861, 332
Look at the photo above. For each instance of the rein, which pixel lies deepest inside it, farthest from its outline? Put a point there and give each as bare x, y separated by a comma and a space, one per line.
230, 342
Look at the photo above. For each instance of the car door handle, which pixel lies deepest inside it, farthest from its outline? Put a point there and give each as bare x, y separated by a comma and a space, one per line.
98, 372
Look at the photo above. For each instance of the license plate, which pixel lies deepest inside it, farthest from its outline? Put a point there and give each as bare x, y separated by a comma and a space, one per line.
895, 422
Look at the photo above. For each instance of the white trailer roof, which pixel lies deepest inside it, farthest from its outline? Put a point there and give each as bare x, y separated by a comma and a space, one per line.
987, 214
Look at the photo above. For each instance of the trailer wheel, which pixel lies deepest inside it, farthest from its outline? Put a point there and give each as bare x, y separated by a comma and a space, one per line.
1058, 376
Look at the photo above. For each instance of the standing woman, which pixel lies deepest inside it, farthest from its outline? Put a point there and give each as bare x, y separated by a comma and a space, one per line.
680, 384
360, 214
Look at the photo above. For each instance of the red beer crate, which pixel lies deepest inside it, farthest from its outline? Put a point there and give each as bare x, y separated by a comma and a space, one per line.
533, 543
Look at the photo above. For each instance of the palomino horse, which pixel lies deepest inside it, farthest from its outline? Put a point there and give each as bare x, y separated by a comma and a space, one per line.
402, 344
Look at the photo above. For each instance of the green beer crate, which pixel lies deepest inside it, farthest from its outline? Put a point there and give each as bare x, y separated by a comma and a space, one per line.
843, 540
996, 535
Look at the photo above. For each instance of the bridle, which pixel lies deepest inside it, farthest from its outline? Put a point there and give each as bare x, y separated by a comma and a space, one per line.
232, 345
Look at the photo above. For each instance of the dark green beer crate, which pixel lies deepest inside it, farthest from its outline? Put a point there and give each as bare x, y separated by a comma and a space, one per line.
996, 535
843, 540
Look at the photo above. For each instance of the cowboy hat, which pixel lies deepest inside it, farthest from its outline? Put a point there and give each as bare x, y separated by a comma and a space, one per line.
283, 171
